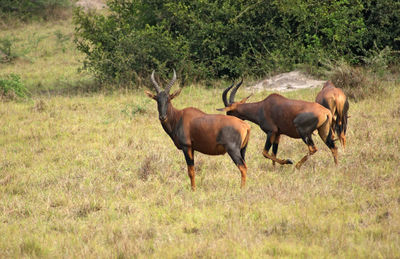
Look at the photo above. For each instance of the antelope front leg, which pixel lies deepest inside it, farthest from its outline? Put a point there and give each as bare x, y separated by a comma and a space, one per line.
273, 158
268, 144
188, 152
191, 174
335, 154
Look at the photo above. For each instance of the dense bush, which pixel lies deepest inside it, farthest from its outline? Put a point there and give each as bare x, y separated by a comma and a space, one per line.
215, 38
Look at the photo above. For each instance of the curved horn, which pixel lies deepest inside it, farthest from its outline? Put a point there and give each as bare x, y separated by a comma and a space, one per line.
156, 86
171, 82
225, 93
232, 97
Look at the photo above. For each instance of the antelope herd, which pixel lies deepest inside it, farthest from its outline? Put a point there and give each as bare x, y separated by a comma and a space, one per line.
215, 134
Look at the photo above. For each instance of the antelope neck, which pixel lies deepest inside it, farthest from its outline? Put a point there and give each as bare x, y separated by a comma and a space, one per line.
172, 119
250, 111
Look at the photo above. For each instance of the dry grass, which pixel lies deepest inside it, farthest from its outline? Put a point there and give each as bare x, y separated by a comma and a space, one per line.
90, 177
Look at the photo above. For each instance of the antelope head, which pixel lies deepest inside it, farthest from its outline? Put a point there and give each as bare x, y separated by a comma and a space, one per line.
231, 105
163, 97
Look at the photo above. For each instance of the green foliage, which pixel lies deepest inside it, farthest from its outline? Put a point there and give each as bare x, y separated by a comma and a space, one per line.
358, 83
382, 19
131, 110
11, 48
11, 88
216, 39
7, 47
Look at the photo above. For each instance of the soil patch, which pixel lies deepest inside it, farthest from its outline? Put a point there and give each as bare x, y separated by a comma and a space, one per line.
286, 82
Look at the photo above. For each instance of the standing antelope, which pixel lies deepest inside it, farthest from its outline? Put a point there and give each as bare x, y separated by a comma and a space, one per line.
191, 129
278, 115
336, 101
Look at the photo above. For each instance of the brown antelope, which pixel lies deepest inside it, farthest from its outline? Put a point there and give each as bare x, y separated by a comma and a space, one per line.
193, 130
278, 115
336, 101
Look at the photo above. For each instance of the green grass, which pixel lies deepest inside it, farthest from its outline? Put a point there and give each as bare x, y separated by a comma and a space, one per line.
97, 176
46, 57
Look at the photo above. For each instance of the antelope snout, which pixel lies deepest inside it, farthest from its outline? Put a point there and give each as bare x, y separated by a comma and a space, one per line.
162, 118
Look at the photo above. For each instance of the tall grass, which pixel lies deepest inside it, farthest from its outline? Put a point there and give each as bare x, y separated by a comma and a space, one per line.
87, 177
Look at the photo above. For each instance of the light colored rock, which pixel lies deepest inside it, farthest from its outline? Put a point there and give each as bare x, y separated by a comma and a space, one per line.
91, 4
286, 82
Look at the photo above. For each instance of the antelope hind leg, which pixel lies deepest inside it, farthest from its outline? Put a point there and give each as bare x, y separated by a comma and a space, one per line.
311, 151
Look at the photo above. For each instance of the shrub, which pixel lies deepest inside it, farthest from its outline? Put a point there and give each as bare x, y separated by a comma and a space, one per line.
358, 83
224, 39
12, 88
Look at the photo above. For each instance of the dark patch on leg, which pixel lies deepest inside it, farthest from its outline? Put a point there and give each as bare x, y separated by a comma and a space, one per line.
275, 148
177, 134
275, 152
345, 112
325, 104
229, 137
188, 157
236, 156
305, 124
329, 140
268, 143
243, 152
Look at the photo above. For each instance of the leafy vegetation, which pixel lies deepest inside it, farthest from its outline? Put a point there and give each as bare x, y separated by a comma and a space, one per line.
213, 39
12, 88
45, 58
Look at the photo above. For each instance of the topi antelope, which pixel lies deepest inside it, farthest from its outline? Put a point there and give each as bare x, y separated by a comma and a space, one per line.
193, 130
278, 115
336, 101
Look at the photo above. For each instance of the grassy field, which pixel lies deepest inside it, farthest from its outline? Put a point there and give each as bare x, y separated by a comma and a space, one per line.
96, 176
45, 57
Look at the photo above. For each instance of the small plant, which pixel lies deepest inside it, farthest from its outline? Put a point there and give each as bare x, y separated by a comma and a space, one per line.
7, 53
61, 39
8, 50
12, 88
133, 109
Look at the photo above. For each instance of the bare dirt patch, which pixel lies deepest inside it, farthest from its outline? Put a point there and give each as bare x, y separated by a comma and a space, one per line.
286, 82
91, 4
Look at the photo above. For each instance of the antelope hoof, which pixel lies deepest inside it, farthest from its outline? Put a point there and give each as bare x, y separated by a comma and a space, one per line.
289, 162
298, 166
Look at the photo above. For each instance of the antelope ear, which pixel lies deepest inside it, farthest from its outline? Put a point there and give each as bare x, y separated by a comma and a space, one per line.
226, 109
152, 96
175, 94
245, 99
